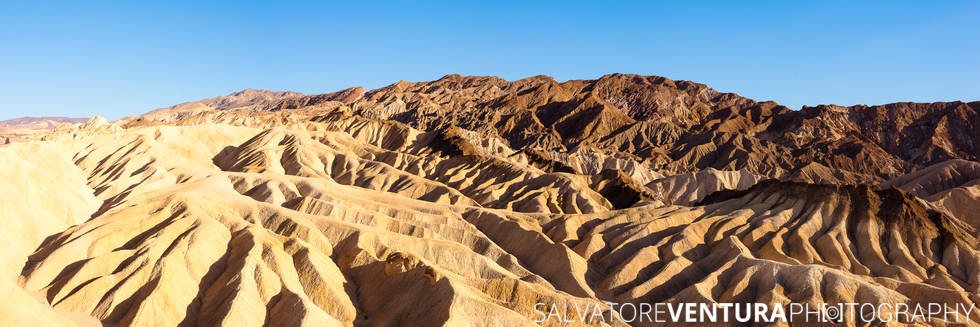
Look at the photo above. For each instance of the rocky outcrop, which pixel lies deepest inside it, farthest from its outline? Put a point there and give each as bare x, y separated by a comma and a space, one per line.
952, 186
690, 188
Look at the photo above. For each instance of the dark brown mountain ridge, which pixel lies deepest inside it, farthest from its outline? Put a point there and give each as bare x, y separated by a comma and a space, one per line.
675, 126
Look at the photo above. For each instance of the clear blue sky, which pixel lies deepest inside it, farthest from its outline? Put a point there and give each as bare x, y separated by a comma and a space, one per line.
82, 58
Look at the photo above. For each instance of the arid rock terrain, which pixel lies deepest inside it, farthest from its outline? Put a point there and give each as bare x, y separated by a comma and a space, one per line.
468, 200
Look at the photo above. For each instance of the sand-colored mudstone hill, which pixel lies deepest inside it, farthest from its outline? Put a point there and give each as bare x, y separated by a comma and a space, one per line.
468, 200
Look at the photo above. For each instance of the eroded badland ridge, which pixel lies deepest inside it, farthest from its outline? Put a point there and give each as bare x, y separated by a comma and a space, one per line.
468, 200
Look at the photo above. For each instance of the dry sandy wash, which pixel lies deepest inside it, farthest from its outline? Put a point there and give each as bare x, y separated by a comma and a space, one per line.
284, 209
